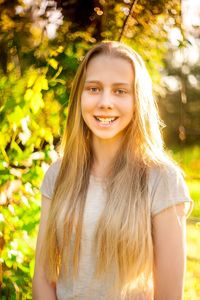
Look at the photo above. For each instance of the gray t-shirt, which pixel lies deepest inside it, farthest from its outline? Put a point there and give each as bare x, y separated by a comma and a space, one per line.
166, 188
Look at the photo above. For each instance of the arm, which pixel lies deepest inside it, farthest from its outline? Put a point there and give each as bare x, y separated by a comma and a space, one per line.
41, 288
169, 238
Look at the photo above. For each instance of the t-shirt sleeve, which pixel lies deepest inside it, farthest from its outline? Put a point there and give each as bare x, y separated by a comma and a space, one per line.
48, 183
168, 188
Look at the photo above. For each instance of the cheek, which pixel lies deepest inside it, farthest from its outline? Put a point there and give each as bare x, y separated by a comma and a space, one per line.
86, 103
128, 107
86, 108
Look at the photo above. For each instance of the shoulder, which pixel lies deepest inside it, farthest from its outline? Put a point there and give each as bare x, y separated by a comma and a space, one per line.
50, 176
157, 173
53, 170
167, 187
54, 167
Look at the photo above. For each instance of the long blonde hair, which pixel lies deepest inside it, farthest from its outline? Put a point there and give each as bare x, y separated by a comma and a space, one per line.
123, 236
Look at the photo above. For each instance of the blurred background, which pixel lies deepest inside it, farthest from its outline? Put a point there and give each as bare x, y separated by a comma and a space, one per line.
41, 45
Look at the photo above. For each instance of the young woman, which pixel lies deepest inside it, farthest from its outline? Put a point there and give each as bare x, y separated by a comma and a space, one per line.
114, 206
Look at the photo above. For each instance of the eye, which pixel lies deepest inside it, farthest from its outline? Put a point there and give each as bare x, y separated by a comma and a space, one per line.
120, 91
93, 89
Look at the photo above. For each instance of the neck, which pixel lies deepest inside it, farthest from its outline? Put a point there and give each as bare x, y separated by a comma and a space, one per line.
104, 152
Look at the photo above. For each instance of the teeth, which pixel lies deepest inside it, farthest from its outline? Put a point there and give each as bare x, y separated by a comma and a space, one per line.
105, 120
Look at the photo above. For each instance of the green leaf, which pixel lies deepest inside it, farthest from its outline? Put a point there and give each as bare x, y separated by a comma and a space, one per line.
16, 116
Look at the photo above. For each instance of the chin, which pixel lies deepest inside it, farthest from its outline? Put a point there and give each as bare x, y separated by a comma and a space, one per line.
107, 137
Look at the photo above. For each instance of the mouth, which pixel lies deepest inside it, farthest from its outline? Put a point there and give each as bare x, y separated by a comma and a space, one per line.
106, 120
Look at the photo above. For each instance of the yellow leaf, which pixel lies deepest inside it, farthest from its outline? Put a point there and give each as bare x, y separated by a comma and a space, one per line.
36, 102
28, 94
41, 83
60, 49
32, 78
7, 22
44, 84
53, 63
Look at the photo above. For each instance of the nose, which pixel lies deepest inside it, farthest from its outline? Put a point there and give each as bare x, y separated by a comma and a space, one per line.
105, 100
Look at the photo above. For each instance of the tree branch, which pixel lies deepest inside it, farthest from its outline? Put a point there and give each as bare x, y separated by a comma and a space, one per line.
126, 20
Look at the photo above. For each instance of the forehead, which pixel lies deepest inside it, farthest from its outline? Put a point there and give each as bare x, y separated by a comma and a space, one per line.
110, 68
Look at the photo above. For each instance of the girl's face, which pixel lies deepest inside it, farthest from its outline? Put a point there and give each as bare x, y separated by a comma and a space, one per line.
107, 97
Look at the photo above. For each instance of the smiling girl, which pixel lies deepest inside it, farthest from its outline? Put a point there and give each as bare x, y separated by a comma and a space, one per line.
114, 205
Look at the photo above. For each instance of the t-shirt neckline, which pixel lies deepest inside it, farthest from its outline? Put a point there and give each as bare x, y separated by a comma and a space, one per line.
97, 179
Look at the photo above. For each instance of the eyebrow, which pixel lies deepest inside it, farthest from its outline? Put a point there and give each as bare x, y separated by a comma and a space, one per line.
114, 84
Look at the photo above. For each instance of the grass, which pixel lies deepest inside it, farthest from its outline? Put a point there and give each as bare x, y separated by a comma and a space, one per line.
189, 159
194, 187
192, 286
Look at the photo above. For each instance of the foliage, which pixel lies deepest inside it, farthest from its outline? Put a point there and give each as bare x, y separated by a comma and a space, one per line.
27, 127
41, 45
181, 107
189, 159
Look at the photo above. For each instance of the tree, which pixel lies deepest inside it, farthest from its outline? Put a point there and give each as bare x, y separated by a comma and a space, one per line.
180, 107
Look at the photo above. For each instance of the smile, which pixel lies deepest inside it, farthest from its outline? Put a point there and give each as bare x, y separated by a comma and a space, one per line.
105, 120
